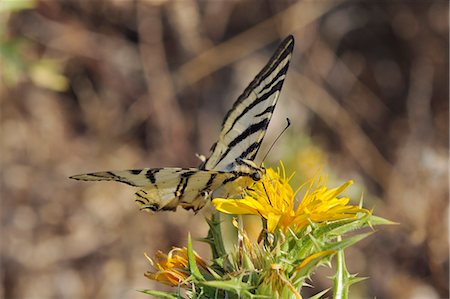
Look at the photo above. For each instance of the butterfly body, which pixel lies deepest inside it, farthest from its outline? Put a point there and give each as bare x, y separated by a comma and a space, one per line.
230, 166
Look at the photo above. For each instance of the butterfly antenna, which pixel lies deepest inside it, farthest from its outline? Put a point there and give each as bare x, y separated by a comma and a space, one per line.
276, 139
267, 194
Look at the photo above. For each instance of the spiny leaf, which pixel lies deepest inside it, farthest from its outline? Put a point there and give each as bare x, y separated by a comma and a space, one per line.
340, 245
192, 263
341, 227
318, 295
214, 237
354, 279
375, 220
308, 264
214, 273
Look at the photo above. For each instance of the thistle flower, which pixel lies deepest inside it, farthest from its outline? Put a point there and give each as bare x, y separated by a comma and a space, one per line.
274, 200
291, 247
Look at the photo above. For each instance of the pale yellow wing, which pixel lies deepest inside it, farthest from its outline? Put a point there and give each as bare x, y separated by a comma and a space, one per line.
167, 188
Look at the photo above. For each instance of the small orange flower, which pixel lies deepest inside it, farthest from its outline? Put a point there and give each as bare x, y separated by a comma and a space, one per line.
173, 268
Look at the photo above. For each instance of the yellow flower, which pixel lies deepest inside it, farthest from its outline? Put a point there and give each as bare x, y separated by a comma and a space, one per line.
172, 268
274, 200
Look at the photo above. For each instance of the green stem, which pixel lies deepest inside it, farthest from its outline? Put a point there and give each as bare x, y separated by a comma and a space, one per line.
341, 284
218, 247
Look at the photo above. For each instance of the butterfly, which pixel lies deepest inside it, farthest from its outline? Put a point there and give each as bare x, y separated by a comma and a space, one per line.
230, 165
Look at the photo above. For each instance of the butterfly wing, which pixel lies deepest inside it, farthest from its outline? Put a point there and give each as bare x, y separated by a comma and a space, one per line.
167, 188
242, 132
246, 123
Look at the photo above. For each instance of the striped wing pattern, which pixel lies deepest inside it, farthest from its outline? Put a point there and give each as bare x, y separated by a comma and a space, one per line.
246, 123
228, 166
166, 188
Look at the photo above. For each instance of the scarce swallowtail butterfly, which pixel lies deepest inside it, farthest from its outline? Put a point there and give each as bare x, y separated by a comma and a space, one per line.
230, 166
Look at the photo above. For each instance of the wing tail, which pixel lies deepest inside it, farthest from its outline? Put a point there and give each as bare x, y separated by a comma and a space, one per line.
132, 177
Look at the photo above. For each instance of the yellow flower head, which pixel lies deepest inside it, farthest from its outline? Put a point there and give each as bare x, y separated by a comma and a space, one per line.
274, 200
172, 268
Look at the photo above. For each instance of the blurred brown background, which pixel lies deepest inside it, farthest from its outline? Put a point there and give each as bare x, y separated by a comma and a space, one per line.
115, 84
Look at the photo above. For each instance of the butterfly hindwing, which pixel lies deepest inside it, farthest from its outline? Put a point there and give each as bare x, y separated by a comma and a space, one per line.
167, 188
246, 123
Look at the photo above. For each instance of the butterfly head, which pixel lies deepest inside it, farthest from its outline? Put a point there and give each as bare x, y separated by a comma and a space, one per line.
250, 168
257, 175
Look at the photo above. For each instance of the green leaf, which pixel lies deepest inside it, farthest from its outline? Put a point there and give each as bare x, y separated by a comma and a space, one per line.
235, 286
318, 295
192, 263
354, 279
338, 228
214, 237
247, 262
306, 270
214, 274
340, 245
375, 220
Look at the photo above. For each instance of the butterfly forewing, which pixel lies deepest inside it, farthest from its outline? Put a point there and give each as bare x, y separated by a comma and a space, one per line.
246, 123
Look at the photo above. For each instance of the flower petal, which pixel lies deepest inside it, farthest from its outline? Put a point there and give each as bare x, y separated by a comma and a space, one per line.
237, 206
272, 221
